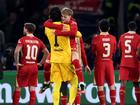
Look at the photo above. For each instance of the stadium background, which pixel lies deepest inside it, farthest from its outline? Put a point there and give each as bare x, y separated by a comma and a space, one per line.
14, 13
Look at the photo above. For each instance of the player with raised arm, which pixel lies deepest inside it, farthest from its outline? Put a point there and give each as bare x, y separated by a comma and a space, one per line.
67, 14
103, 48
60, 59
27, 66
129, 63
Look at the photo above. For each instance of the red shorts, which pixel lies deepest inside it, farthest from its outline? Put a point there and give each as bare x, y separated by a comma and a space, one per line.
27, 75
104, 71
129, 74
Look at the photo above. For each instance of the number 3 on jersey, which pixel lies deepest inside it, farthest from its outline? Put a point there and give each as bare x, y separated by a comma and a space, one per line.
32, 52
107, 49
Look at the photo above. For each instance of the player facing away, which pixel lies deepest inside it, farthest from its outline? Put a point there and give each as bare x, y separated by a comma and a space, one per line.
61, 30
129, 63
103, 48
62, 69
27, 66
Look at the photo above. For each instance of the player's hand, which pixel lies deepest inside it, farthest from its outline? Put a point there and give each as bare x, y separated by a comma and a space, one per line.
39, 64
64, 28
87, 68
18, 65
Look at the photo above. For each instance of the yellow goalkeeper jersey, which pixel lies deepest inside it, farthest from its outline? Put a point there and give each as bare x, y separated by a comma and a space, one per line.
60, 53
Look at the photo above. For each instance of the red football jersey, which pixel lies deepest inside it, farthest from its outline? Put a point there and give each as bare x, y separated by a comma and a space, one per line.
31, 46
103, 46
128, 45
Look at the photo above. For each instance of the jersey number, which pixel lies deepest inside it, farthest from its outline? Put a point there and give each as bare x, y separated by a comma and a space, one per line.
32, 52
128, 46
107, 49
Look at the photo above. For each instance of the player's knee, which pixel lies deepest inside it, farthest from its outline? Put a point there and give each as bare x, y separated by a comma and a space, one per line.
100, 88
17, 88
32, 88
123, 83
112, 87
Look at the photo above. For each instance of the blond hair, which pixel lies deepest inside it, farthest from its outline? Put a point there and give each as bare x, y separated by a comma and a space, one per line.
67, 11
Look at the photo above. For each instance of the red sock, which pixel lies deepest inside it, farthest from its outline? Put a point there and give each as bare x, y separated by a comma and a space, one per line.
101, 97
78, 70
63, 100
32, 98
113, 96
47, 67
137, 93
78, 99
122, 95
16, 97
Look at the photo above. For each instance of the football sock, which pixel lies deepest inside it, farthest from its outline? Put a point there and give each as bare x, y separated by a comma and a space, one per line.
77, 99
16, 97
64, 100
101, 97
122, 95
32, 97
113, 96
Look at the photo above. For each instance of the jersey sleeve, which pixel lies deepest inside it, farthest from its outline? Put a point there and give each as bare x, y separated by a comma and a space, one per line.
72, 32
83, 54
20, 42
50, 24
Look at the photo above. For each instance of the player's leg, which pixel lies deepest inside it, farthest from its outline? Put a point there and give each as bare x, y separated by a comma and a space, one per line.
99, 75
137, 91
110, 78
101, 95
56, 93
32, 82
32, 95
21, 81
124, 76
63, 92
73, 90
122, 92
78, 98
78, 69
47, 68
16, 95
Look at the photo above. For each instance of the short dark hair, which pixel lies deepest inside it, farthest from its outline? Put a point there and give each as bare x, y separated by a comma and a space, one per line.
30, 27
55, 14
132, 26
104, 25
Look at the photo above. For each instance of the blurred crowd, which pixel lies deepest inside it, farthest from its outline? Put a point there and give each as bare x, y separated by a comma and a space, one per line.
14, 13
